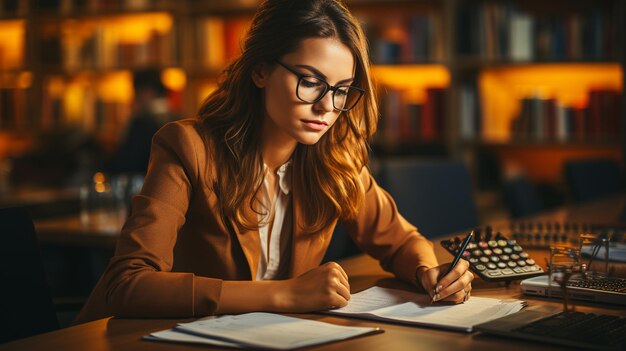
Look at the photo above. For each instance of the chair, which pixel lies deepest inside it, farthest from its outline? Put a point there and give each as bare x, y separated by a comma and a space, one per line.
26, 304
592, 179
521, 197
434, 195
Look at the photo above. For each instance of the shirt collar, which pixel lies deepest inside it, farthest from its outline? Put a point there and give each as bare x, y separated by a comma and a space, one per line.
284, 176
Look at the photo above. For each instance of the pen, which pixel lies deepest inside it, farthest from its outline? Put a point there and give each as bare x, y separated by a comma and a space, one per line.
457, 257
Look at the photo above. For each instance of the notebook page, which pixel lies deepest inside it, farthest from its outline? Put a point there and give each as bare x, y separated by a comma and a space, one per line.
413, 308
269, 330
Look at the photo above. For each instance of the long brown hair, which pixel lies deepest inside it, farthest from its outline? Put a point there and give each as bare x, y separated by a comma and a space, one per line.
329, 183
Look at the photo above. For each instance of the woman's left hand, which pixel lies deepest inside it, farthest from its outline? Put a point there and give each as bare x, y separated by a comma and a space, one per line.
453, 287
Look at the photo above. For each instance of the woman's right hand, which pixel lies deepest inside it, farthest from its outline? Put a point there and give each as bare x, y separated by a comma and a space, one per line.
322, 288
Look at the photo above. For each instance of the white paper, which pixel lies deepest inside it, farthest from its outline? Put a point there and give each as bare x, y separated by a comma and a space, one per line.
267, 330
412, 308
176, 336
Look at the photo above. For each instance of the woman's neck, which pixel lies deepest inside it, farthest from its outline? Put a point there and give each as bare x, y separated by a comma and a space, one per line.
276, 146
276, 154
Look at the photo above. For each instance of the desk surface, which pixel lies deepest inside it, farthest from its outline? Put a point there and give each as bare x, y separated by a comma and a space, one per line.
125, 334
73, 230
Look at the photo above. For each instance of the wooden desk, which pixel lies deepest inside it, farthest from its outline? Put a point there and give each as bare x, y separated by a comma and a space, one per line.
43, 202
71, 230
125, 334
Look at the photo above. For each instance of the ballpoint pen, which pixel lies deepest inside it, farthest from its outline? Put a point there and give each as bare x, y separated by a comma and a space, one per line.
457, 257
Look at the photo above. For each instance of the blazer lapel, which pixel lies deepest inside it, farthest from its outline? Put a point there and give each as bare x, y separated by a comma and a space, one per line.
308, 249
250, 244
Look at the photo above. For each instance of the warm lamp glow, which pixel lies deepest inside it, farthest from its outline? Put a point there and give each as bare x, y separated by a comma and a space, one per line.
174, 78
413, 79
24, 80
116, 87
11, 44
139, 28
503, 88
125, 29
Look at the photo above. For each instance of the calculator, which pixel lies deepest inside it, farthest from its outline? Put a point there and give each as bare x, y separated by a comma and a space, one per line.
493, 257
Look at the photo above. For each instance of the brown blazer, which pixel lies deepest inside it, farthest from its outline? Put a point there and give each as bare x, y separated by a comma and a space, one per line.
174, 250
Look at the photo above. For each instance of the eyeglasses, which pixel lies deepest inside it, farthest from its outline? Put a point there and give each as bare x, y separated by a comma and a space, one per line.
311, 89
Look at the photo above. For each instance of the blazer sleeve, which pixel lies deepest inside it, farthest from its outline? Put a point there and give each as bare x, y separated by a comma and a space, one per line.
139, 281
381, 231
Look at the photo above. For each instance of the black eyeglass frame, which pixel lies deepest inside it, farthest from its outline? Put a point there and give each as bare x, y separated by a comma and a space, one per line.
328, 87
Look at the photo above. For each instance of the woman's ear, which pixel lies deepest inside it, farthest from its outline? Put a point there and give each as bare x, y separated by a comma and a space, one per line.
260, 75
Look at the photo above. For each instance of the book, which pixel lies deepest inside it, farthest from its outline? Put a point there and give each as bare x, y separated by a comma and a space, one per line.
407, 307
259, 330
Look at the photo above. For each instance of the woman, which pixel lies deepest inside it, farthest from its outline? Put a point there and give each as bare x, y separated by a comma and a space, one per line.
239, 205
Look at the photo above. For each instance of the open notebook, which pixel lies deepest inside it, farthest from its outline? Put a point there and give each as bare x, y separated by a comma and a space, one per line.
400, 306
259, 330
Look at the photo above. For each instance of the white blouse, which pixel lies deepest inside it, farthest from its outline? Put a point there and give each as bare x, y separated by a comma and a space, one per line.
273, 249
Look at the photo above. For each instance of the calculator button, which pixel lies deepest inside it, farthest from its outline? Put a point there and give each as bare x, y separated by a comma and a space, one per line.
523, 255
471, 246
494, 259
512, 242
512, 264
473, 260
514, 257
527, 269
517, 248
507, 250
501, 265
535, 268
482, 245
494, 273
497, 251
502, 243
493, 243
518, 270
477, 253
530, 261
466, 254
504, 257
507, 271
484, 259
487, 252
491, 265
521, 263
481, 267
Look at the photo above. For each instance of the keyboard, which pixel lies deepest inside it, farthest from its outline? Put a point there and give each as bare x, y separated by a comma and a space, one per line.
586, 330
605, 284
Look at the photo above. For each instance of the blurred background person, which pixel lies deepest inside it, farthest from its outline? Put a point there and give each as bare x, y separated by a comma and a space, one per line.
150, 111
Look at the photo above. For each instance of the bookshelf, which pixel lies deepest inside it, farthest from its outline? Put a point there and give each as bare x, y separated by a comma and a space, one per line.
455, 76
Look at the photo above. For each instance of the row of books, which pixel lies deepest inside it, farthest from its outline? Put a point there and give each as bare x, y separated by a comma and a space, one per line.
103, 49
219, 40
13, 8
14, 109
499, 30
404, 121
547, 120
94, 115
68, 6
413, 39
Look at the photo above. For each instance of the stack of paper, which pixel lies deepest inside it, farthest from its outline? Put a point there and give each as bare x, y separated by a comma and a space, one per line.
259, 330
407, 307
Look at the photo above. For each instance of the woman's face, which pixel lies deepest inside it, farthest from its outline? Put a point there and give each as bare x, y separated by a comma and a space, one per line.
287, 118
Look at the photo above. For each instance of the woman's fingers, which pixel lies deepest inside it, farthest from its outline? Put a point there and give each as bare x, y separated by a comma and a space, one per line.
458, 270
457, 291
